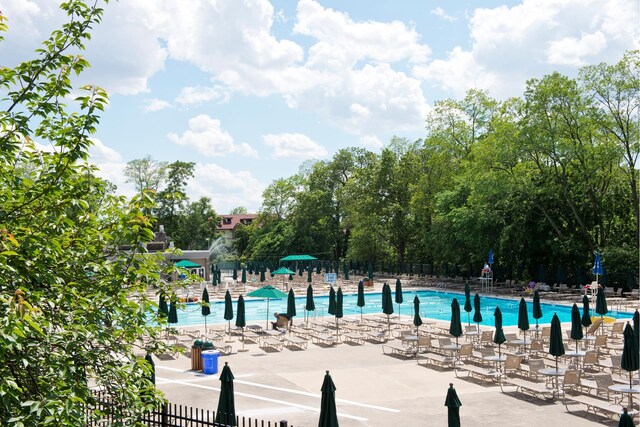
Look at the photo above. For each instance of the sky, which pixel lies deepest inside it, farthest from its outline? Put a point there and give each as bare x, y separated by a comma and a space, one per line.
248, 90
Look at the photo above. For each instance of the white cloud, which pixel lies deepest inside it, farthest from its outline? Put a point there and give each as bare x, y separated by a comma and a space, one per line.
512, 44
294, 146
440, 13
156, 105
198, 94
206, 135
371, 141
572, 50
110, 166
226, 189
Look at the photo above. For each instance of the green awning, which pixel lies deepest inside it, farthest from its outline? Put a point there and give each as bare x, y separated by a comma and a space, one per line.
185, 263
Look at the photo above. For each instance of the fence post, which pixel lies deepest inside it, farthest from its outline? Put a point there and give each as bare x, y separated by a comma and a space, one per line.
164, 422
283, 423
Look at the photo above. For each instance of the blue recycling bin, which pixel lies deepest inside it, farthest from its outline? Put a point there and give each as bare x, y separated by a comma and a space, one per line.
210, 361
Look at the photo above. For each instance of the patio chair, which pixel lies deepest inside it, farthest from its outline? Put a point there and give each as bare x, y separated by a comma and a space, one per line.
486, 338
603, 381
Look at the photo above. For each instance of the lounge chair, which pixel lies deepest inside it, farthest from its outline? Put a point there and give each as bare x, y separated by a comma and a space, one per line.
325, 339
528, 388
397, 350
354, 337
595, 406
294, 341
266, 343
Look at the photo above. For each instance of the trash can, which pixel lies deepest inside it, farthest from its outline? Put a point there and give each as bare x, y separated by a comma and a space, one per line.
210, 361
196, 359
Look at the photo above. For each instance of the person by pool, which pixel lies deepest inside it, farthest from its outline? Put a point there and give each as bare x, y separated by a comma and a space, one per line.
279, 316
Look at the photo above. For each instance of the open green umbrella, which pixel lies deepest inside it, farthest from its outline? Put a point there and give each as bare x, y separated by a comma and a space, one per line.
523, 318
536, 309
163, 309
339, 312
243, 278
205, 308
241, 321
226, 413
152, 370
477, 313
228, 310
291, 306
629, 360
455, 327
576, 325
398, 295
387, 304
328, 413
498, 336
360, 301
556, 347
586, 315
282, 271
601, 303
453, 404
310, 304
625, 419
332, 302
467, 301
267, 292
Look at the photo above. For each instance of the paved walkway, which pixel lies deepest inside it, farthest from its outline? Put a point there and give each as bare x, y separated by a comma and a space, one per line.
372, 390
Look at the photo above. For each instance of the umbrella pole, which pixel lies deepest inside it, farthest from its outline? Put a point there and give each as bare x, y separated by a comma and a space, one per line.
267, 313
205, 326
360, 314
388, 325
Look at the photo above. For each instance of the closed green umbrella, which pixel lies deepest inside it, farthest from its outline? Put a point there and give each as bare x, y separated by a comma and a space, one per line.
536, 309
205, 308
398, 295
291, 305
467, 301
417, 320
267, 292
163, 309
387, 304
173, 313
228, 309
636, 324
226, 413
629, 360
556, 347
339, 312
576, 325
455, 327
332, 302
243, 278
453, 404
360, 301
498, 336
310, 304
523, 318
309, 275
235, 275
586, 315
328, 413
262, 278
625, 419
601, 303
152, 370
346, 271
477, 313
241, 321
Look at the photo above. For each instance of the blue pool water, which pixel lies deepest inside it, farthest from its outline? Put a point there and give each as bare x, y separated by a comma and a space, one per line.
433, 304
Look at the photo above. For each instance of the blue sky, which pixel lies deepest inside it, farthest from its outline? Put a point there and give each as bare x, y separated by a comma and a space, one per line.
250, 89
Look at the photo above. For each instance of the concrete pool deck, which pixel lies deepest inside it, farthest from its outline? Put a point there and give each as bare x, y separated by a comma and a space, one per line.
373, 389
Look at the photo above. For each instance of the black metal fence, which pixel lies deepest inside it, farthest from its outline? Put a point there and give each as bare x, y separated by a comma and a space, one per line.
169, 415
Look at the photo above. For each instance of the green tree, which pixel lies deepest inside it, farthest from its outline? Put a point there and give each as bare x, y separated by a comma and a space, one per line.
73, 303
197, 225
240, 210
145, 173
170, 200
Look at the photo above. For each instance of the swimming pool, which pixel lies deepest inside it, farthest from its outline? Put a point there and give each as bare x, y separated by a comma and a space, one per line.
433, 304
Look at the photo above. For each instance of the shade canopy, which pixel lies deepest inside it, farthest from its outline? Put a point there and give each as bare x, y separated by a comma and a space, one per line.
387, 302
398, 295
328, 413
228, 306
332, 302
467, 298
226, 413
629, 360
453, 404
339, 304
291, 305
243, 278
267, 291
498, 336
490, 258
536, 309
298, 258
310, 304
360, 301
556, 347
163, 309
206, 308
597, 265
173, 313
241, 321
185, 263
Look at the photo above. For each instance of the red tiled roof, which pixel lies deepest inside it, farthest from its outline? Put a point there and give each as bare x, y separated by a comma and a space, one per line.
229, 222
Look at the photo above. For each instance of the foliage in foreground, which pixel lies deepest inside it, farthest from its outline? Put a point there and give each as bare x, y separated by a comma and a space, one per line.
73, 304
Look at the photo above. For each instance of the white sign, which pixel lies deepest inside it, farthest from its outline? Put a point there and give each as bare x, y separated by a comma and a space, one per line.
330, 277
